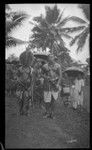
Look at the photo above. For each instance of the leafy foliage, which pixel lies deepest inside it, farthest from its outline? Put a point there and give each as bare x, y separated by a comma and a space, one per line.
81, 38
73, 29
86, 10
16, 20
49, 30
52, 14
46, 33
11, 41
13, 19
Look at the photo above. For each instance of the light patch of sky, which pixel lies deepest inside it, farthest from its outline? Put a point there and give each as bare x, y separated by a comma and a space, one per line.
33, 10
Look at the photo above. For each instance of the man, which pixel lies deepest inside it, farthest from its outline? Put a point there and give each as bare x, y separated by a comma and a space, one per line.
52, 78
24, 90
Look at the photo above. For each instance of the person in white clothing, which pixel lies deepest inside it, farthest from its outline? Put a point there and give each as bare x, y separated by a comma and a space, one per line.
78, 92
75, 93
81, 85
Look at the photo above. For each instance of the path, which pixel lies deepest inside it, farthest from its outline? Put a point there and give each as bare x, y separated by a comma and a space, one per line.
69, 129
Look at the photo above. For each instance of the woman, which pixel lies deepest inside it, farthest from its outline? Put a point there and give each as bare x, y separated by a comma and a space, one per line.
81, 85
75, 93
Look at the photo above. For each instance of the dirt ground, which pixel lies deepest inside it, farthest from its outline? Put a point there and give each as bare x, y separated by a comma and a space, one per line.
69, 129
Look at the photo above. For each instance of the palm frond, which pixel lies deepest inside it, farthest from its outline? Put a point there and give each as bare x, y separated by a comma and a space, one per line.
73, 18
52, 14
86, 10
63, 22
74, 40
71, 30
41, 21
58, 37
81, 38
60, 17
49, 31
19, 16
17, 19
77, 19
66, 36
11, 41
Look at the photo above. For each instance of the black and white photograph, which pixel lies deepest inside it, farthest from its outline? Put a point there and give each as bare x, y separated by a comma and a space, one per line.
47, 75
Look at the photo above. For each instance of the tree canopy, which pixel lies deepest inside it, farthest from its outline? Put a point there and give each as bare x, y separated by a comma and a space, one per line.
13, 19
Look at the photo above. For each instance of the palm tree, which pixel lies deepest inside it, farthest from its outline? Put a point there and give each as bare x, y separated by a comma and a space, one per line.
13, 19
49, 31
82, 37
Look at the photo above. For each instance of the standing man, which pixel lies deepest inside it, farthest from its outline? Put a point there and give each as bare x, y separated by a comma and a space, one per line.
52, 79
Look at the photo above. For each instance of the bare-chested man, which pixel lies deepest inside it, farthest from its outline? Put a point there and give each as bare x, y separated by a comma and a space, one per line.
52, 79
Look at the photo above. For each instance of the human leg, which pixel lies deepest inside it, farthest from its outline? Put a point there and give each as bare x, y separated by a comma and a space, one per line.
54, 96
81, 99
47, 101
47, 110
52, 107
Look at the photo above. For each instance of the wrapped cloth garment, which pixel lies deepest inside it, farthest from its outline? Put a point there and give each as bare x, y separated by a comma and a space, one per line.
81, 85
48, 94
77, 93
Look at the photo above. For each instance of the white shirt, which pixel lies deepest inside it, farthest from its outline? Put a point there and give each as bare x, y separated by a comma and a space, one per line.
79, 84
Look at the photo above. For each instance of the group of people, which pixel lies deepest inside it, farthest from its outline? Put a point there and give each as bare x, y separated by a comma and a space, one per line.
50, 76
52, 87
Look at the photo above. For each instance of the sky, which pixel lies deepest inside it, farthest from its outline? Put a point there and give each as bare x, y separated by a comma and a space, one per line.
24, 31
